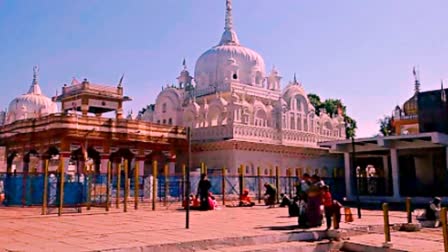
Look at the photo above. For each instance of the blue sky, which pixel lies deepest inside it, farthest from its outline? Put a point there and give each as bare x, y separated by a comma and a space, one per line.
360, 51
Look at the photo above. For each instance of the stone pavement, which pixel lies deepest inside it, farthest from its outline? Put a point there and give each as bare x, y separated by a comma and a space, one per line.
24, 229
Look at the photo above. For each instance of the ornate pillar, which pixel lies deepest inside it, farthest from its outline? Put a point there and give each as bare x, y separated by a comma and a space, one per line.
104, 162
348, 176
395, 173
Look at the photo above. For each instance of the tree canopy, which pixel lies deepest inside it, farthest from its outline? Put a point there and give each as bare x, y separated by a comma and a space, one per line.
386, 126
331, 107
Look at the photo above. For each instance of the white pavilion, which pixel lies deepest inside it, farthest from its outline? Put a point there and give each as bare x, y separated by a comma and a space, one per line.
240, 115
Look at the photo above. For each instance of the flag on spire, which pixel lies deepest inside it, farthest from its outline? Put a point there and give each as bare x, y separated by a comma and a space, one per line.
120, 83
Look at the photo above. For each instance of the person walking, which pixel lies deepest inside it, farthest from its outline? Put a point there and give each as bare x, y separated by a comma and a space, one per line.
203, 191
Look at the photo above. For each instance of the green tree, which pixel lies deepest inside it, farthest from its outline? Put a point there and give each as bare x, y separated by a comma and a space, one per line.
386, 126
331, 107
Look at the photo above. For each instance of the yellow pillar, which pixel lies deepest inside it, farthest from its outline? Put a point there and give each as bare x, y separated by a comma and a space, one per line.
136, 184
45, 196
184, 176
126, 185
61, 188
167, 189
109, 171
277, 182
259, 183
223, 184
154, 184
117, 200
89, 186
202, 167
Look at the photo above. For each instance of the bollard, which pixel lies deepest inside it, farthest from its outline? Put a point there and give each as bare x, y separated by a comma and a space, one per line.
259, 183
408, 209
117, 200
136, 184
109, 168
154, 184
61, 186
45, 196
89, 187
126, 192
241, 180
444, 228
223, 183
277, 183
167, 189
335, 221
386, 225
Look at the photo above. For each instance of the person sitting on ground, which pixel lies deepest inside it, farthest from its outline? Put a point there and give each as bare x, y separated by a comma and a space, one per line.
269, 196
293, 208
212, 203
432, 211
285, 201
245, 200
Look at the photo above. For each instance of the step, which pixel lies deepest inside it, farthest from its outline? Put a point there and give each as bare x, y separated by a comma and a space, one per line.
291, 246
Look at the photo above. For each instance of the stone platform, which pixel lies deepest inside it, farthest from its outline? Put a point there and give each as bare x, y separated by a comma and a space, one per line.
227, 229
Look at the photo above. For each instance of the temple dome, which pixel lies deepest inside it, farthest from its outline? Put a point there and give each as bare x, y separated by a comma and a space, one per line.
229, 60
410, 107
31, 105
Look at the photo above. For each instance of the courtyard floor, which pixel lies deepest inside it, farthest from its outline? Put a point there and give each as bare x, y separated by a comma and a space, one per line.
24, 229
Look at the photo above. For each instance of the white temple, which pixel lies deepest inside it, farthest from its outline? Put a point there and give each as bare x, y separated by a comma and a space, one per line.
239, 115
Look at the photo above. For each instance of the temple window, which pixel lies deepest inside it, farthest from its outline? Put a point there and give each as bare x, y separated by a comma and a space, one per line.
164, 121
158, 121
170, 121
164, 108
235, 76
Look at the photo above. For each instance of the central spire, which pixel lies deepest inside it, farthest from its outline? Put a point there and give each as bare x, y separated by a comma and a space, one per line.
229, 36
35, 89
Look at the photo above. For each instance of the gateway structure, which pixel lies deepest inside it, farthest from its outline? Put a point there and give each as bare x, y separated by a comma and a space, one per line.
240, 115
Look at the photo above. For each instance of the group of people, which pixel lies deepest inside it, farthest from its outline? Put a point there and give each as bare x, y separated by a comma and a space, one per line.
204, 199
312, 201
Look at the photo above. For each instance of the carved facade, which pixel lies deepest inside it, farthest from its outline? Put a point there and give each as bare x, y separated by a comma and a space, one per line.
231, 98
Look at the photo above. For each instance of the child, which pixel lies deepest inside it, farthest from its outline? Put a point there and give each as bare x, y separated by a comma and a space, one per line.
327, 201
245, 200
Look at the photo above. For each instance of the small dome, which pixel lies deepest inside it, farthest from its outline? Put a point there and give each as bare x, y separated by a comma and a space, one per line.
31, 105
410, 107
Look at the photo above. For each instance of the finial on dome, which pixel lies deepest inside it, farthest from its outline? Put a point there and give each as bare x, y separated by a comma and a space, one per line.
35, 74
229, 36
417, 80
229, 19
184, 64
35, 89
295, 79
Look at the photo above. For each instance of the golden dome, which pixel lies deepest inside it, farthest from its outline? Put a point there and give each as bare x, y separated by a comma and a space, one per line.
410, 106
